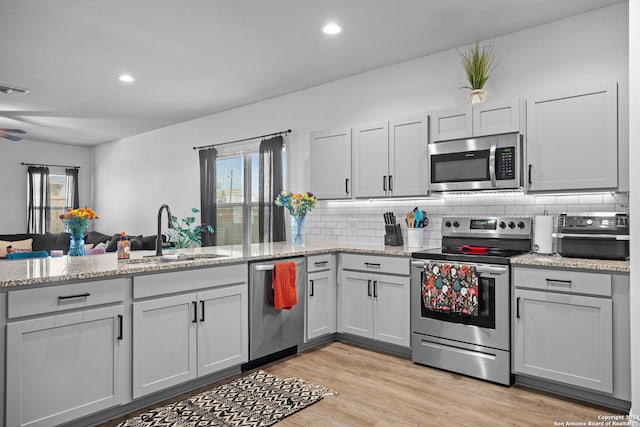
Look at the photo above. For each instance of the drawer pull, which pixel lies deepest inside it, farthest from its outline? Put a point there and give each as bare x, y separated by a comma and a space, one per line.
319, 263
65, 297
555, 282
372, 264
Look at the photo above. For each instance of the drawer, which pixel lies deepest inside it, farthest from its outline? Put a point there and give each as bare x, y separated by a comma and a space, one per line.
570, 281
28, 302
320, 262
376, 264
189, 280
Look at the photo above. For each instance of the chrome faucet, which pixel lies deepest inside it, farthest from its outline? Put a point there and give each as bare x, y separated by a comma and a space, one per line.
159, 235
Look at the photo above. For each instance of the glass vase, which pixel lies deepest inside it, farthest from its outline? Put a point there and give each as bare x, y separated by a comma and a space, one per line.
297, 230
76, 246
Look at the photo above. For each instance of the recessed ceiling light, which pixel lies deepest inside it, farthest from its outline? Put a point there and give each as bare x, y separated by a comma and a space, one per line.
126, 78
331, 28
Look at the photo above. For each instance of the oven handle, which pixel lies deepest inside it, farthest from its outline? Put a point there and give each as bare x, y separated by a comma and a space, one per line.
591, 236
481, 269
492, 164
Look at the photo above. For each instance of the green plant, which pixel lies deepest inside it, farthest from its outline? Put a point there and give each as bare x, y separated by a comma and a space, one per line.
184, 234
478, 63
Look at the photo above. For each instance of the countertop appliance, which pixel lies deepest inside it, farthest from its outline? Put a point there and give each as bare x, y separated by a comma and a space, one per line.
273, 331
477, 346
601, 235
488, 162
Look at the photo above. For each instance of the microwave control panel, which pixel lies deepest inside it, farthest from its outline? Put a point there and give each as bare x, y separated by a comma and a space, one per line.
505, 163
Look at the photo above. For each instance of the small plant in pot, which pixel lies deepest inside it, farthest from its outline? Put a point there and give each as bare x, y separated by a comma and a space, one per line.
479, 63
184, 234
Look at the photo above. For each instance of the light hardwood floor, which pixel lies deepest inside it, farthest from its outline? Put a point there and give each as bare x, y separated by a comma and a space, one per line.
377, 389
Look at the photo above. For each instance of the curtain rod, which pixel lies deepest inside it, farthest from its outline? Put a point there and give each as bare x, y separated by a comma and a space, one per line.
203, 147
57, 166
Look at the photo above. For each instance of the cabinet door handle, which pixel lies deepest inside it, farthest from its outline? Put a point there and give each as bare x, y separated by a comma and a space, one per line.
202, 308
64, 297
375, 289
529, 178
312, 288
368, 287
346, 185
195, 312
390, 183
120, 328
384, 183
518, 308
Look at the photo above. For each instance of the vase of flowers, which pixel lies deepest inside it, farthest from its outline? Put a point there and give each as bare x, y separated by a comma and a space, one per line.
76, 222
298, 205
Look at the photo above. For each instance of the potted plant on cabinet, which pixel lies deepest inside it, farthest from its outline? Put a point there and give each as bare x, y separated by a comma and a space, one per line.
478, 63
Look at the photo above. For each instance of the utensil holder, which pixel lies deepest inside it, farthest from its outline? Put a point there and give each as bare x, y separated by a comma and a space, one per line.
393, 235
415, 237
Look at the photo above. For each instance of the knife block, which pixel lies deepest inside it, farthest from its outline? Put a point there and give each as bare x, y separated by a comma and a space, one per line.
393, 235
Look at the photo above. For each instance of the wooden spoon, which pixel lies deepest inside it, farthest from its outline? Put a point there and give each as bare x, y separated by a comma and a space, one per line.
411, 220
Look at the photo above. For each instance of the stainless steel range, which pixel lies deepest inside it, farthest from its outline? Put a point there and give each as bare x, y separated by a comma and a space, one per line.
475, 344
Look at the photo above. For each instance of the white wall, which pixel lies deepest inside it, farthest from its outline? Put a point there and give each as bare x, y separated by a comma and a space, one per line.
13, 176
634, 159
136, 175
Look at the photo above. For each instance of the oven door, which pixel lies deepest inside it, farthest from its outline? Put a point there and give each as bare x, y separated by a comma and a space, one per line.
490, 328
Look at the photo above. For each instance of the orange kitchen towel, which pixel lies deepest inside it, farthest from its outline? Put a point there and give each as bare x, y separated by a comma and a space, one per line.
283, 278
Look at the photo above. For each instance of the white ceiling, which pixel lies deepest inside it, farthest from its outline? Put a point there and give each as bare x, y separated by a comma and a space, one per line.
197, 57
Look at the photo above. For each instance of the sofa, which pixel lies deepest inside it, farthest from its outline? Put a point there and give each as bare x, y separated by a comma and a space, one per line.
60, 241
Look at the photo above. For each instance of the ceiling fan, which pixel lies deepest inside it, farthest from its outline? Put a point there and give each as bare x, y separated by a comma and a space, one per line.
6, 134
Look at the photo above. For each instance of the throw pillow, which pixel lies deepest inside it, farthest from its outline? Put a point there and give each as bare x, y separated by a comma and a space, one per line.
136, 242
19, 244
112, 246
96, 237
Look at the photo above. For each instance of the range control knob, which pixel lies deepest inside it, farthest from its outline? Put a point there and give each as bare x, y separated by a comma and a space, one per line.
512, 224
520, 224
456, 224
502, 224
447, 224
589, 221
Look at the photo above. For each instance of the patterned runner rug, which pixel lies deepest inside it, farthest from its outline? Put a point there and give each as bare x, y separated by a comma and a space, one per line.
259, 399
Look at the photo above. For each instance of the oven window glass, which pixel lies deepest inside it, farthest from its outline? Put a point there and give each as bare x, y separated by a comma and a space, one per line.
486, 317
460, 167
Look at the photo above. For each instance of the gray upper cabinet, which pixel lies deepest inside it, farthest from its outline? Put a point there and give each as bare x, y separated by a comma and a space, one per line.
572, 140
371, 166
331, 164
408, 163
390, 158
486, 118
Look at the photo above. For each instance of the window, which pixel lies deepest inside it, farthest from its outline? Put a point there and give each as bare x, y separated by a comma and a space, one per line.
58, 202
237, 198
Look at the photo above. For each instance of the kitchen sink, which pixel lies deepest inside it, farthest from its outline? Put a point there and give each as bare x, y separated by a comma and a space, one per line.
153, 259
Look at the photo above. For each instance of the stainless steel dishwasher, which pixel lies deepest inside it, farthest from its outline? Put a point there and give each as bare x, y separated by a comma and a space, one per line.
272, 331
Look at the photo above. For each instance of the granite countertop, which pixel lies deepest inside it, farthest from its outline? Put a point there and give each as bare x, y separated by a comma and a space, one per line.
61, 269
537, 260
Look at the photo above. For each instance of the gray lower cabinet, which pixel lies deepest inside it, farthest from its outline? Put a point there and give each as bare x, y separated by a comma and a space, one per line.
569, 328
373, 304
65, 358
181, 337
321, 296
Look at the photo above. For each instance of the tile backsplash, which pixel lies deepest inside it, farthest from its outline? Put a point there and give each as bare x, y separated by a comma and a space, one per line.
361, 221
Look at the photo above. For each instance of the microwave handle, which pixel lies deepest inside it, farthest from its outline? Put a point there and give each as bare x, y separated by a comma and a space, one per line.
492, 164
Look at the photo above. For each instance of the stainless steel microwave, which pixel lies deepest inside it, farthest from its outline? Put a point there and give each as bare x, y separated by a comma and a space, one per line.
483, 163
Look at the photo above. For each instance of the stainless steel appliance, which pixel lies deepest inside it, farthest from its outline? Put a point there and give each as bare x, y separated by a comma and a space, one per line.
270, 330
603, 235
488, 162
477, 346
